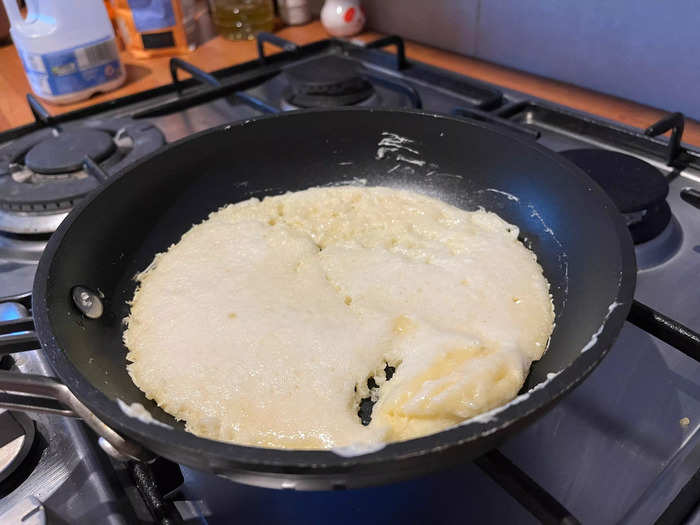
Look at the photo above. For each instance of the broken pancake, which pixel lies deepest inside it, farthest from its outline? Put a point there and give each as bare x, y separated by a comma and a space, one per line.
335, 316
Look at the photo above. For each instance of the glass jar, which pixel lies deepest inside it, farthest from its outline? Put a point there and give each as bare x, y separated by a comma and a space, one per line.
242, 19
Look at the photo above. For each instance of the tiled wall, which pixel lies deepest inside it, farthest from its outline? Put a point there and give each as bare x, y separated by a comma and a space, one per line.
643, 50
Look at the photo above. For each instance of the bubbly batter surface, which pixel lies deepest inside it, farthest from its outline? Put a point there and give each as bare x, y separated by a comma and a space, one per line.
270, 322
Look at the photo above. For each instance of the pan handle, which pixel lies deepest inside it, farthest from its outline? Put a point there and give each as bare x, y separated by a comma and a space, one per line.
28, 392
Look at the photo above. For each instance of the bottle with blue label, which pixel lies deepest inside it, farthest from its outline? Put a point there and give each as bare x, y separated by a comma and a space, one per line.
67, 48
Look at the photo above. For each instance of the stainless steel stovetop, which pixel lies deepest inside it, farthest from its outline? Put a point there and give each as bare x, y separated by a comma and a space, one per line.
623, 447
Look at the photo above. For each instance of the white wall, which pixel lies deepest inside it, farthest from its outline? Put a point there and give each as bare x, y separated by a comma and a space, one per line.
643, 50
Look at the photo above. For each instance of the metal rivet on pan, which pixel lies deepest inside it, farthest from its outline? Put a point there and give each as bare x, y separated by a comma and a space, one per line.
87, 302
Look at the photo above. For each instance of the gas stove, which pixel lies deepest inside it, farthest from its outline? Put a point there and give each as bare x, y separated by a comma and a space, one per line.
623, 447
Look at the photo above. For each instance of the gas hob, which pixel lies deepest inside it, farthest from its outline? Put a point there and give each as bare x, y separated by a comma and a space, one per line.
623, 447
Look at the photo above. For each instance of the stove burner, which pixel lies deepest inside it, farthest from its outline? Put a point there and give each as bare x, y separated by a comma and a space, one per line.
16, 438
65, 153
661, 248
637, 188
41, 174
330, 81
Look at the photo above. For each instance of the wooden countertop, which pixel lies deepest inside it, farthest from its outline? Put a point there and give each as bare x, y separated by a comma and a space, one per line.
219, 53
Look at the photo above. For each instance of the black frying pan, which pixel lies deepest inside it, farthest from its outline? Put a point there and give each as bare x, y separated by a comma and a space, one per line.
579, 237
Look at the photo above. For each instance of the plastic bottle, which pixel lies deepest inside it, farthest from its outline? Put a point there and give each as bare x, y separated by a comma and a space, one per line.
151, 28
67, 48
242, 19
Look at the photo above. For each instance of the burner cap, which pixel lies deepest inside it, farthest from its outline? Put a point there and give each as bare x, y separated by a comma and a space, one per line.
637, 188
329, 81
65, 153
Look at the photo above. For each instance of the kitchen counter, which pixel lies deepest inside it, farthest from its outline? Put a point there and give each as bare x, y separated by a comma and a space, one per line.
219, 53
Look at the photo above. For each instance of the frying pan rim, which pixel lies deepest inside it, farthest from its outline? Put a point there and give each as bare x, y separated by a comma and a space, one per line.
259, 459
